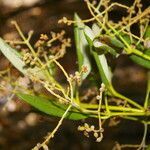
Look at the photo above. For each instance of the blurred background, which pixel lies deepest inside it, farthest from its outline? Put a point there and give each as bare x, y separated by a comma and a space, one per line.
21, 128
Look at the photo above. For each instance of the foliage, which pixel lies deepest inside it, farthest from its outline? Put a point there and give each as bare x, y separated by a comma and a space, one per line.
104, 38
50, 107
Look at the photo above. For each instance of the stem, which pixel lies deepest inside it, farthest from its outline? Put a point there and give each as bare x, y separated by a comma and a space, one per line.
139, 53
128, 48
51, 135
77, 96
136, 119
109, 85
26, 41
95, 17
146, 103
67, 77
118, 95
106, 104
128, 114
115, 108
99, 114
142, 145
136, 18
121, 38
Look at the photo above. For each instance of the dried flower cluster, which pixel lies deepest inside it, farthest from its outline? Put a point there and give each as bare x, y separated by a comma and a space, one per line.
45, 49
41, 60
77, 77
86, 129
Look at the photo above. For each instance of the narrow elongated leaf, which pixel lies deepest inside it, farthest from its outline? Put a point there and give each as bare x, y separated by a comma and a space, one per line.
81, 46
133, 41
103, 68
12, 55
110, 41
115, 42
140, 61
101, 48
137, 59
96, 29
147, 97
101, 61
89, 35
50, 107
15, 58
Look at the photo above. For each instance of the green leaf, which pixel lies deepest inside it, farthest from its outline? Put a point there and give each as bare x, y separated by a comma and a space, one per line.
15, 58
89, 35
51, 107
140, 61
12, 55
115, 45
115, 42
147, 97
103, 68
137, 59
96, 29
81, 46
133, 41
101, 48
101, 61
